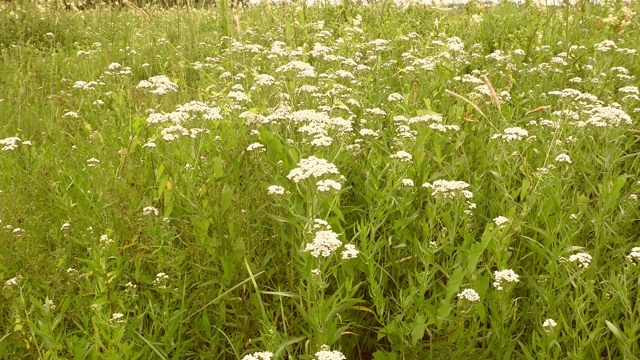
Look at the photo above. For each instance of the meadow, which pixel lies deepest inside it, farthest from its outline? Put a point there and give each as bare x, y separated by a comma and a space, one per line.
283, 181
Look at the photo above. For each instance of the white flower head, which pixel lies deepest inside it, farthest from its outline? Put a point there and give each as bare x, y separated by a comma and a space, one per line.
255, 146
150, 210
634, 255
583, 259
93, 162
159, 85
394, 97
402, 156
324, 244
326, 354
512, 134
260, 355
10, 143
117, 318
449, 189
548, 325
275, 190
504, 276
407, 182
350, 252
312, 167
501, 221
12, 282
328, 185
469, 295
563, 158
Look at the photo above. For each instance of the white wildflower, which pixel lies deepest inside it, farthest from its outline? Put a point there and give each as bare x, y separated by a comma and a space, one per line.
324, 243
394, 97
12, 282
402, 156
548, 325
260, 355
328, 185
312, 167
501, 221
255, 146
350, 252
93, 162
407, 182
326, 354
634, 255
583, 259
275, 190
511, 134
159, 85
469, 295
448, 189
150, 210
10, 143
117, 318
563, 158
504, 276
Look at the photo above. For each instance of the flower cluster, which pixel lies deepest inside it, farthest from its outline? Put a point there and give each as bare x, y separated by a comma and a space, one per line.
275, 190
548, 325
260, 355
469, 295
583, 259
326, 354
512, 134
634, 255
448, 189
159, 85
501, 222
504, 276
312, 167
150, 210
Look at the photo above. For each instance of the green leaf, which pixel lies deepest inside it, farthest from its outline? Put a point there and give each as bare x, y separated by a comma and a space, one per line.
477, 249
417, 332
380, 355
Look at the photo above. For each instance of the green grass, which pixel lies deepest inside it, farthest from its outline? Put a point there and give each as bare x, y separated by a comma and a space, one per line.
221, 271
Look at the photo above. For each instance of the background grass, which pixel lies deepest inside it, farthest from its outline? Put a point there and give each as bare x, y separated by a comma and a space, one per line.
238, 279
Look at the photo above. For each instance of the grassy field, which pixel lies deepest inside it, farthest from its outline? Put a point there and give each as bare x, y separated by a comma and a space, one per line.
329, 182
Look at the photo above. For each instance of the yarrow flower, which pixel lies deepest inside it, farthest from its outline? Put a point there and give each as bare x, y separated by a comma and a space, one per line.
312, 167
402, 156
150, 210
350, 252
449, 189
255, 146
563, 158
260, 355
394, 97
12, 282
469, 295
117, 318
500, 221
548, 325
511, 134
275, 190
634, 255
326, 354
407, 182
328, 185
93, 162
504, 276
159, 85
161, 280
583, 259
324, 244
10, 143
